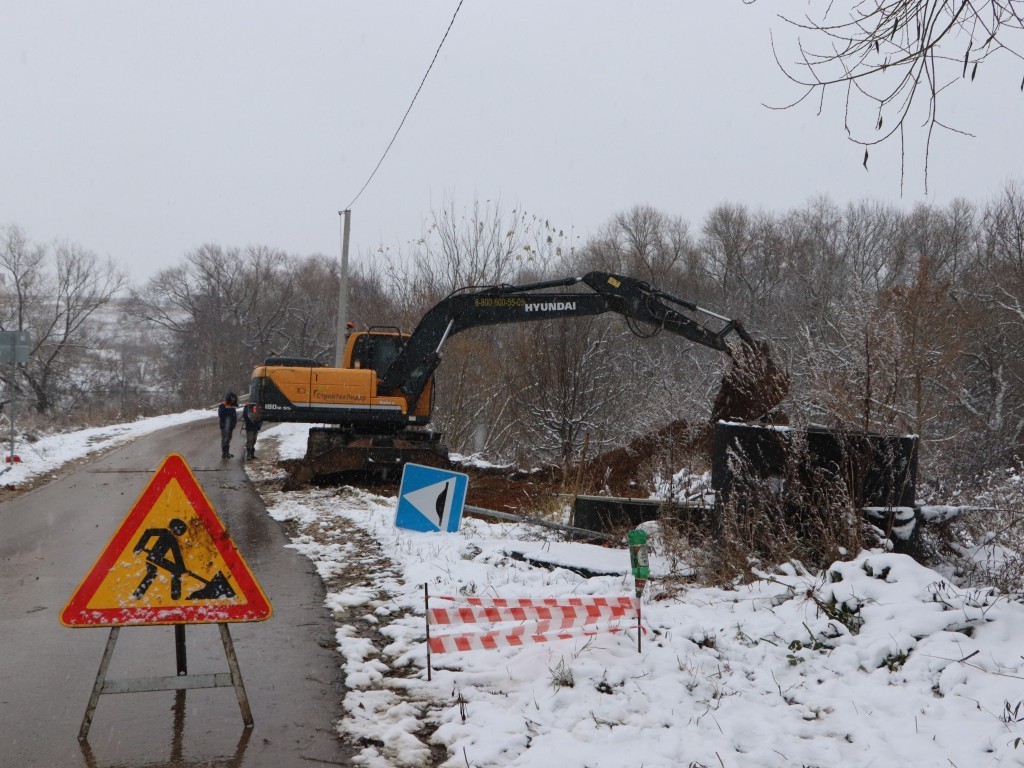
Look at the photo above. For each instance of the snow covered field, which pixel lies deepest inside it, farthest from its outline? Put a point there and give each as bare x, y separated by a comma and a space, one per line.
877, 662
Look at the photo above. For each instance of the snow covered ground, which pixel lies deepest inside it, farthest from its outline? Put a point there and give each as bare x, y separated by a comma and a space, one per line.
877, 662
38, 459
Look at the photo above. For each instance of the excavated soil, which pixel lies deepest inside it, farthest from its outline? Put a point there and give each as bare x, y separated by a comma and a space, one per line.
752, 387
629, 471
624, 472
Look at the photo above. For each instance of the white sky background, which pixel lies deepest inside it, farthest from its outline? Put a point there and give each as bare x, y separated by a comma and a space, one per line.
143, 130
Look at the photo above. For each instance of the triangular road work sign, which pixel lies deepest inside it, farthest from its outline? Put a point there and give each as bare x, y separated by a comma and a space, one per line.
170, 562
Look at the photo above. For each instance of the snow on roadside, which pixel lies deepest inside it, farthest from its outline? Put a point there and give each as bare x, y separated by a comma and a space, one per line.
49, 453
878, 662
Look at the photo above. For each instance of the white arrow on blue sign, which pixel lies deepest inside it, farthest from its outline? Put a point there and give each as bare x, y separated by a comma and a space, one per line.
430, 499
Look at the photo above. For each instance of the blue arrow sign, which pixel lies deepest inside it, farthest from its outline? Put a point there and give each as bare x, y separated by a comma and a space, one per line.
430, 499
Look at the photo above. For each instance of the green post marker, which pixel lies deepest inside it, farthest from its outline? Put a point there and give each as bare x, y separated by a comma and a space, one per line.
641, 570
638, 557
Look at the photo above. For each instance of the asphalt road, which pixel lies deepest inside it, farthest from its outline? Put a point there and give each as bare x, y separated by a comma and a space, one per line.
49, 540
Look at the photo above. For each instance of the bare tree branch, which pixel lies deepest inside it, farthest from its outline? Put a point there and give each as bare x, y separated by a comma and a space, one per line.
894, 58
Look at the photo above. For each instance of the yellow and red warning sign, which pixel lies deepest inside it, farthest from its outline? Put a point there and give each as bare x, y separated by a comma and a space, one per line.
170, 562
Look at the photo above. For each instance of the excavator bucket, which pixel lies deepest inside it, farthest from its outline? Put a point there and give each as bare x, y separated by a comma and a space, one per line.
753, 386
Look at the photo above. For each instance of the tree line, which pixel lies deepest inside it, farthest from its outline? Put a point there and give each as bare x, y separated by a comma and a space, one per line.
888, 320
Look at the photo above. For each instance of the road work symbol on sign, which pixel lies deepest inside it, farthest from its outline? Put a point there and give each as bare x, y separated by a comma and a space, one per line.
170, 562
160, 546
430, 499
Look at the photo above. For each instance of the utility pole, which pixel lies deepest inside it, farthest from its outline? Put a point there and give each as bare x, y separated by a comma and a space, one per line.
339, 347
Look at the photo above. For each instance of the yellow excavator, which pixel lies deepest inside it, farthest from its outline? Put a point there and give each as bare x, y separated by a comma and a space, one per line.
375, 409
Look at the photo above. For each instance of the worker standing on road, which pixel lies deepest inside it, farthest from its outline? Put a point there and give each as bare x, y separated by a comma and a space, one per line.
228, 419
251, 421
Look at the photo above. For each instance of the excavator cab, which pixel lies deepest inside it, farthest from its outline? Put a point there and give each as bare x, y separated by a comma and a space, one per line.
376, 348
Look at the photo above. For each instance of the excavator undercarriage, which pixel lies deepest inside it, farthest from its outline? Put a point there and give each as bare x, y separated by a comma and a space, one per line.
334, 453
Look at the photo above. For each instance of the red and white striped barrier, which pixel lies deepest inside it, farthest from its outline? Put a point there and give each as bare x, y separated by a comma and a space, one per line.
537, 620
569, 612
512, 638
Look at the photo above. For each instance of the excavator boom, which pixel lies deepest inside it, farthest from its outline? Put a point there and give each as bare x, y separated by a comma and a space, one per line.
501, 305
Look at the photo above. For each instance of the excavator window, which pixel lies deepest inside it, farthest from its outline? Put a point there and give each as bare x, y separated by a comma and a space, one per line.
376, 350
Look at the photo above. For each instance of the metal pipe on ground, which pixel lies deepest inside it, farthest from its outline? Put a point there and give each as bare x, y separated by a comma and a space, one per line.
571, 530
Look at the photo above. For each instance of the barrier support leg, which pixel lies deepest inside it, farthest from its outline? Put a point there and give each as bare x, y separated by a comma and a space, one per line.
426, 607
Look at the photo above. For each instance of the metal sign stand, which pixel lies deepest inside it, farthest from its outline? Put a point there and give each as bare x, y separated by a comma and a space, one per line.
181, 682
14, 402
6, 421
14, 349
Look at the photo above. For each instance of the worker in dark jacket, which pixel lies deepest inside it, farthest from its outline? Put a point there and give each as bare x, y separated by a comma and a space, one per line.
251, 421
228, 419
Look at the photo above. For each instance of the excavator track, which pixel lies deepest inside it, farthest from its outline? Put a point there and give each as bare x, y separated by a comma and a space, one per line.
334, 453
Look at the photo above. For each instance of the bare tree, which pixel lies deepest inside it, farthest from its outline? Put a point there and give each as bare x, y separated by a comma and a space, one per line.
474, 394
896, 57
750, 260
991, 290
930, 326
647, 244
24, 267
191, 303
224, 311
727, 242
570, 383
57, 309
481, 246
307, 327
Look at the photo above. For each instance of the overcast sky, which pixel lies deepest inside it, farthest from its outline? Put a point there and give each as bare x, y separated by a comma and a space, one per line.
141, 130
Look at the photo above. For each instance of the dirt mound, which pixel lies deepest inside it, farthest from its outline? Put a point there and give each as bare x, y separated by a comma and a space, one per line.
752, 387
506, 490
621, 472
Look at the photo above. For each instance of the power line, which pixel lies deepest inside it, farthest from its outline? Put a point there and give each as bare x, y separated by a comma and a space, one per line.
407, 111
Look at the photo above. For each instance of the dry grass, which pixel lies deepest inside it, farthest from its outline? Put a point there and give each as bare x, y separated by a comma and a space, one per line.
804, 514
982, 546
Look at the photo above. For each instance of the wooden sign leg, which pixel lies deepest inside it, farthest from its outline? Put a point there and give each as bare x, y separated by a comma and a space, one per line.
236, 675
97, 689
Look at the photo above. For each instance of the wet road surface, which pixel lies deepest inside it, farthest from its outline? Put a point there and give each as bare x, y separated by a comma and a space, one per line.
50, 538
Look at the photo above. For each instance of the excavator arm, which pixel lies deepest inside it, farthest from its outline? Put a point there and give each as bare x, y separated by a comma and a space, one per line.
498, 305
